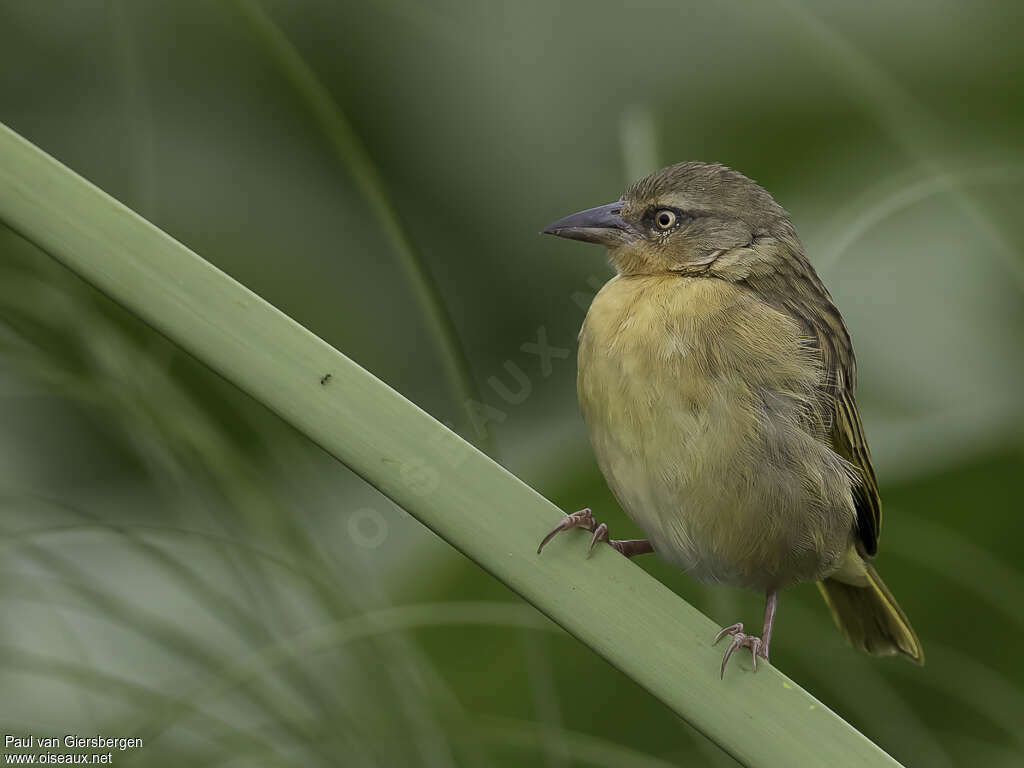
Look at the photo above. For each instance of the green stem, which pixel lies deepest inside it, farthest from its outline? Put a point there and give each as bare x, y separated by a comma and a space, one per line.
605, 601
353, 155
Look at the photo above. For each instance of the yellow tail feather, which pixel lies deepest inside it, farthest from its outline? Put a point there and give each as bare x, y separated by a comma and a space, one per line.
871, 618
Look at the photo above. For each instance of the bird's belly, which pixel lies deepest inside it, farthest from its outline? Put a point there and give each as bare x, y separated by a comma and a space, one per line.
723, 487
708, 507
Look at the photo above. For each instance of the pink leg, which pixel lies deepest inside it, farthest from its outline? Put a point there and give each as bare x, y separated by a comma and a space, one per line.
758, 645
769, 621
631, 547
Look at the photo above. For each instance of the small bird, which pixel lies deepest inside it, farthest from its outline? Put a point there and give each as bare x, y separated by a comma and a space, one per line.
716, 379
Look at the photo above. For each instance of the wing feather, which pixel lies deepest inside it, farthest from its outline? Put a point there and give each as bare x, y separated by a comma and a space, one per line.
799, 291
848, 441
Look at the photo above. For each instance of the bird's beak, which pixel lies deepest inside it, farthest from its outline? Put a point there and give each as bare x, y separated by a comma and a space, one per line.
603, 225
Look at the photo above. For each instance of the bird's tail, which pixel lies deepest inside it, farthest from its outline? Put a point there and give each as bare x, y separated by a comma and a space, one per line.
871, 618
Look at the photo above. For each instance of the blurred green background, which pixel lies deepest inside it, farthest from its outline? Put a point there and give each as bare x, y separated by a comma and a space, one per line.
176, 564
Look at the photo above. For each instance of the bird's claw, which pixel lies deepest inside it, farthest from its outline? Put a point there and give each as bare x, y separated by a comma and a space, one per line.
739, 639
584, 518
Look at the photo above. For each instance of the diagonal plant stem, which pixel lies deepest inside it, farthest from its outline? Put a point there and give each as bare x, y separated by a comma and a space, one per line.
481, 509
353, 154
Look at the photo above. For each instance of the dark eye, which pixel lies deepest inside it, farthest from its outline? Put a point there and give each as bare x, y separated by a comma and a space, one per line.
665, 219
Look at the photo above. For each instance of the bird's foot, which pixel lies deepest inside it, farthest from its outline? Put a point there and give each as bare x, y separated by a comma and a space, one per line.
739, 639
585, 519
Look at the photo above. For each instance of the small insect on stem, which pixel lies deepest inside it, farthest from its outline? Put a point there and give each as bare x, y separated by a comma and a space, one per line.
326, 378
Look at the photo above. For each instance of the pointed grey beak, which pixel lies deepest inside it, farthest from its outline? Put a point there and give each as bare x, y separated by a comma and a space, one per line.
603, 225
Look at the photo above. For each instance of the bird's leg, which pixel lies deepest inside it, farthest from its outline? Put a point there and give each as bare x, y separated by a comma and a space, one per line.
758, 646
585, 519
769, 621
631, 547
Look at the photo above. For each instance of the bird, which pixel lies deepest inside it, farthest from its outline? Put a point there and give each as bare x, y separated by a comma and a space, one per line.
716, 379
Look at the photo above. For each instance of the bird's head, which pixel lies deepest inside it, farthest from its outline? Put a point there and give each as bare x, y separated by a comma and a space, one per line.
690, 218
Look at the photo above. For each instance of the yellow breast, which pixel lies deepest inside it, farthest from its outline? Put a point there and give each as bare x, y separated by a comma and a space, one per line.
699, 400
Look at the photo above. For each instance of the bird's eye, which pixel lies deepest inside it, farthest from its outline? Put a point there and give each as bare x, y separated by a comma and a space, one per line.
665, 219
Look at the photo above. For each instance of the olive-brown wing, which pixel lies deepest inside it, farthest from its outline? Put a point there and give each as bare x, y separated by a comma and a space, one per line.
849, 442
796, 288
